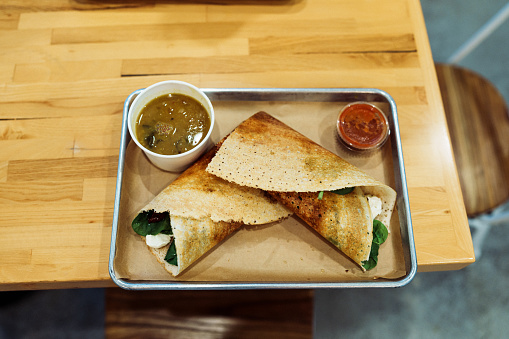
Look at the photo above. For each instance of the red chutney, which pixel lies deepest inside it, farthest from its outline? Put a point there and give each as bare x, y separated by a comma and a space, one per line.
362, 126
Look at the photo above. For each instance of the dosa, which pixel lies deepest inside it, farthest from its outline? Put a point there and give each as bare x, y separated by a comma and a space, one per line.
199, 210
332, 196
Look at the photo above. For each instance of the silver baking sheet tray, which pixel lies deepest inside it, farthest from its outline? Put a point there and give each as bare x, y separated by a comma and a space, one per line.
290, 255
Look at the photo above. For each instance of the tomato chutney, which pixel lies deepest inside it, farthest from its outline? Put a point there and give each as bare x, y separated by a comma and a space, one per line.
362, 126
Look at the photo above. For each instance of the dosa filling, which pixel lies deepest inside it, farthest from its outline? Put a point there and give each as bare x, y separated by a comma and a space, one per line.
156, 228
326, 218
380, 232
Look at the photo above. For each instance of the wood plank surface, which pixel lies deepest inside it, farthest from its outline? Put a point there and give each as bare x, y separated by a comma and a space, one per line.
66, 68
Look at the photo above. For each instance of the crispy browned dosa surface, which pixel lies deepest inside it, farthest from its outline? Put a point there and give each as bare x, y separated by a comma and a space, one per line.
198, 194
205, 209
344, 220
263, 152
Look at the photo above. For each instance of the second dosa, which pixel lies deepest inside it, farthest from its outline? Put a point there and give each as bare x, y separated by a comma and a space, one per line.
334, 197
196, 212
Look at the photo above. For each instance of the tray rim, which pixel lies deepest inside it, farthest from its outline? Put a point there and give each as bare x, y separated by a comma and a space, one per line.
215, 94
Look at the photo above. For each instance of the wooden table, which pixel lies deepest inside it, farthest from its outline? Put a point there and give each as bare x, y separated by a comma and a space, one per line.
66, 68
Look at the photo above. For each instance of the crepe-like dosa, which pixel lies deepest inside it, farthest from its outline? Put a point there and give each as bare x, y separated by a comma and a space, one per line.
203, 210
263, 152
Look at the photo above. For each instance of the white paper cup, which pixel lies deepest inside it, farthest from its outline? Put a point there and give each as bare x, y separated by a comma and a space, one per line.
177, 162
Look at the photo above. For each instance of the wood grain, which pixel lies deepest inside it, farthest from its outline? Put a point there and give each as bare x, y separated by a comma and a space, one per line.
478, 121
66, 68
209, 314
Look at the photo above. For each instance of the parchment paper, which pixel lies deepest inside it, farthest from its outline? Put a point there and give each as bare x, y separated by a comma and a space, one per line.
286, 251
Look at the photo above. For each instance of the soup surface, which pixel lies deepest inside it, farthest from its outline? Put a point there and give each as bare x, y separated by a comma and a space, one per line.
172, 124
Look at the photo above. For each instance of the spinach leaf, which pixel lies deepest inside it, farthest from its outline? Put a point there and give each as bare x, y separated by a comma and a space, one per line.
380, 234
171, 255
149, 222
373, 258
343, 191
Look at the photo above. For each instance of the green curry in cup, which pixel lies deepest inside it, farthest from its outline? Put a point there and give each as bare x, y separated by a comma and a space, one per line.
172, 124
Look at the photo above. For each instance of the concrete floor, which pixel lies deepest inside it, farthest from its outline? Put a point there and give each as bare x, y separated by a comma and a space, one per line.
470, 303
452, 22
55, 314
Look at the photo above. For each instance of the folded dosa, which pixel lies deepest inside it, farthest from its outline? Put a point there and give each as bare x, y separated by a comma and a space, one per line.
263, 152
205, 209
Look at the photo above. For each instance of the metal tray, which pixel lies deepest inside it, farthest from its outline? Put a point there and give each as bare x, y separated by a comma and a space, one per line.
286, 95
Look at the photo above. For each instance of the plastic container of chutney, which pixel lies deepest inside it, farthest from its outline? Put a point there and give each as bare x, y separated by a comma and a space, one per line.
362, 126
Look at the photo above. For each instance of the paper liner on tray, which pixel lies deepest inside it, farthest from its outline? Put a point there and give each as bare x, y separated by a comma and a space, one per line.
286, 251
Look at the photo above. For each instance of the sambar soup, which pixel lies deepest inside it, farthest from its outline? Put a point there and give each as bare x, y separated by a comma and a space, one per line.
172, 124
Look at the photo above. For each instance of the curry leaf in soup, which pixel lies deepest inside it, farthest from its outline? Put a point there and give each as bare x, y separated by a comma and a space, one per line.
151, 140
